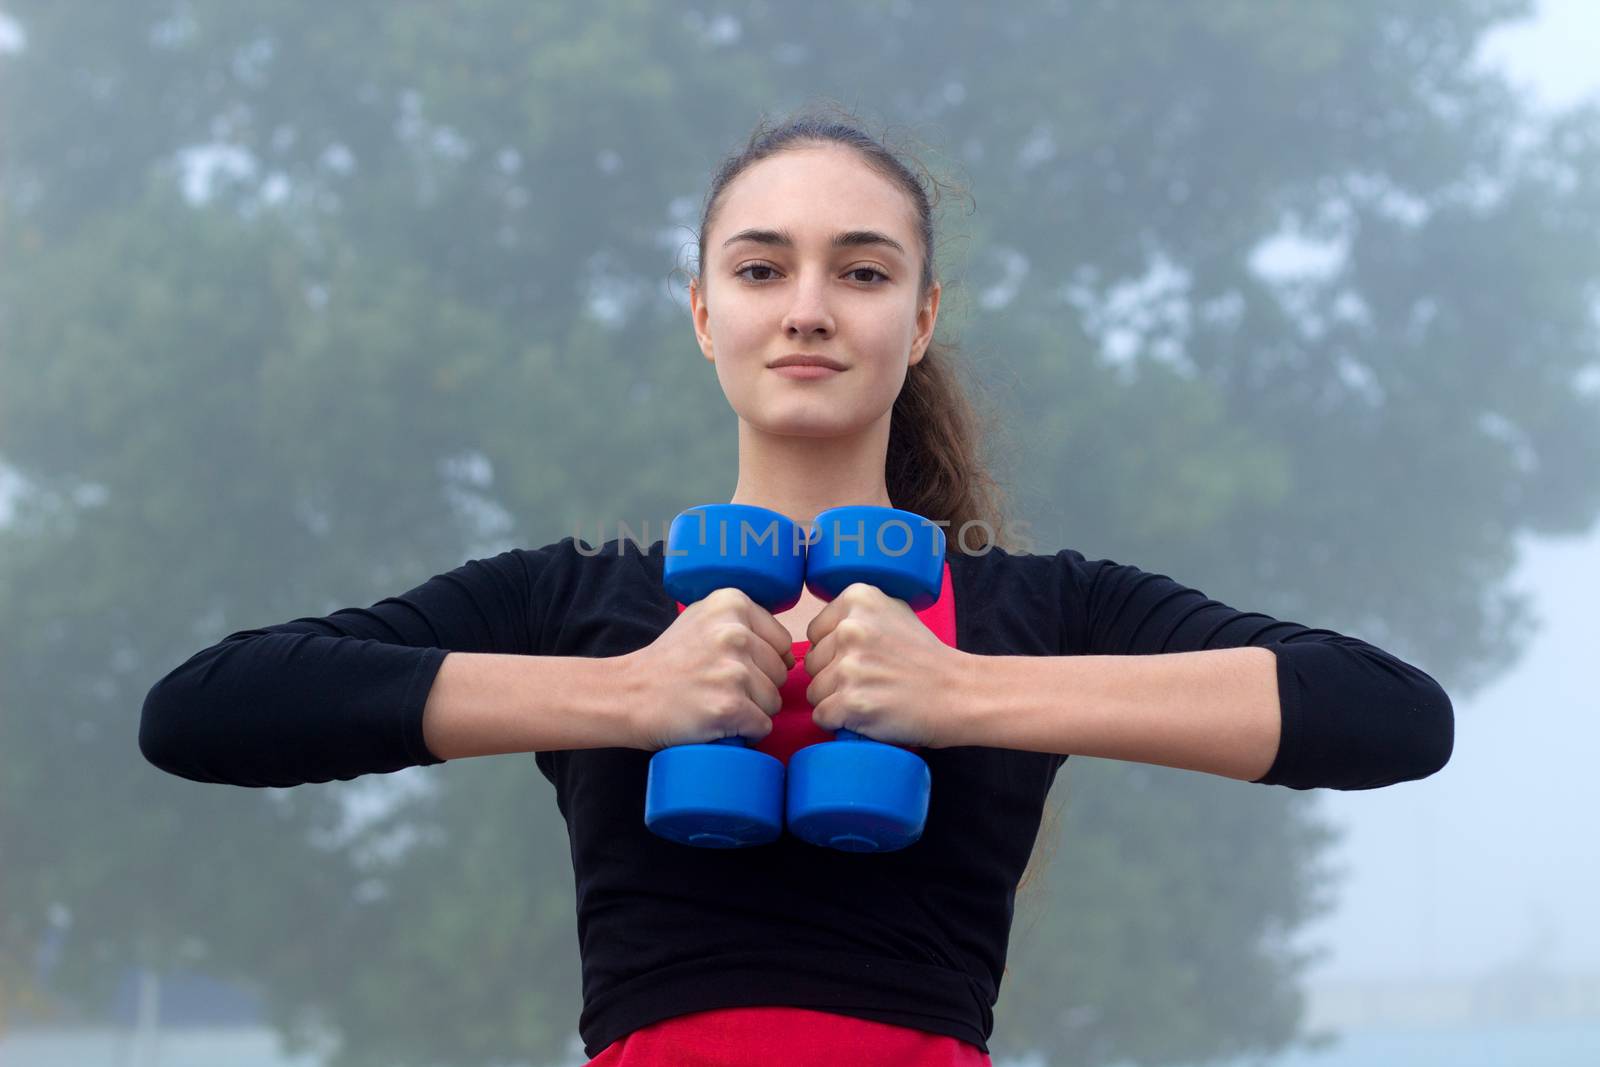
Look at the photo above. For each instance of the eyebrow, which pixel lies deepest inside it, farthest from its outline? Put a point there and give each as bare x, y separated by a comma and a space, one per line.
843, 239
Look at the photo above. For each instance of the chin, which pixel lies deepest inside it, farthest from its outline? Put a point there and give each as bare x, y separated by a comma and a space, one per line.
809, 424
802, 428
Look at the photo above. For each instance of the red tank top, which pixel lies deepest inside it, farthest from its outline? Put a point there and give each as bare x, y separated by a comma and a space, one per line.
794, 1037
737, 1037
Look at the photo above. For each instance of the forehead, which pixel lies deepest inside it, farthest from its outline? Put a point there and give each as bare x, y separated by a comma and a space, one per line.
813, 193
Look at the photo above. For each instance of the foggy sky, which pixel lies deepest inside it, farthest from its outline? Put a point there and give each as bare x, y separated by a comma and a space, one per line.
1493, 860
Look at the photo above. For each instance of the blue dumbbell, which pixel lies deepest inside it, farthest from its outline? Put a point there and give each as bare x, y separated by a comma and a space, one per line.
724, 794
854, 793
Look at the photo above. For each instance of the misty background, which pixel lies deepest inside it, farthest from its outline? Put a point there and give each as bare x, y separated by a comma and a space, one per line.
1455, 876
304, 304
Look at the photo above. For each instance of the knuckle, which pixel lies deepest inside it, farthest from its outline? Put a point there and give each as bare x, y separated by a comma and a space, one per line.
852, 630
732, 636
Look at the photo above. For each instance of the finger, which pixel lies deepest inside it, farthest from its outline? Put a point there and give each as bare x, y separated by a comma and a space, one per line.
775, 634
826, 619
764, 695
754, 726
727, 598
819, 655
821, 688
823, 715
772, 666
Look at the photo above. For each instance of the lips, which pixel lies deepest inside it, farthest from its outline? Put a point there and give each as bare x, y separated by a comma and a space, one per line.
805, 359
802, 373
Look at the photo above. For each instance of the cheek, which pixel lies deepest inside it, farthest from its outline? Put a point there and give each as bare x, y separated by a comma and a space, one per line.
737, 327
889, 339
892, 326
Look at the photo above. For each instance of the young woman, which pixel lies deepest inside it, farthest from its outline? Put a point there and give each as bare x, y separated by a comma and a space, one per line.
816, 249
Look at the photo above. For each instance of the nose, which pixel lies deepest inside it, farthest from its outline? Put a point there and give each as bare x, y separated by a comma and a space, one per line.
808, 315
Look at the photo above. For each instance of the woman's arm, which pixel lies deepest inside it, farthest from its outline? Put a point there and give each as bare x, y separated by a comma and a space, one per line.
1215, 712
483, 704
353, 693
1154, 671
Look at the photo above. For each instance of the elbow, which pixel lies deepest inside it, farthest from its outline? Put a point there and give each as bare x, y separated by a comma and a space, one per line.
1383, 725
161, 736
1435, 731
154, 740
1417, 744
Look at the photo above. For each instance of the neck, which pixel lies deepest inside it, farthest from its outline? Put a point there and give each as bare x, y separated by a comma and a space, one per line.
801, 476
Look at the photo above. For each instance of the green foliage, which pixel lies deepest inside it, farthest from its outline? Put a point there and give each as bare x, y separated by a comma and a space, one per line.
453, 241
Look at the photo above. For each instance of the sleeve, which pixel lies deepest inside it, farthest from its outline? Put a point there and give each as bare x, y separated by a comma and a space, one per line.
337, 697
1354, 716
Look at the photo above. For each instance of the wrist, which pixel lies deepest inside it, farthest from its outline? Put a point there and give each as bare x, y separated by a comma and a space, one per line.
970, 691
619, 681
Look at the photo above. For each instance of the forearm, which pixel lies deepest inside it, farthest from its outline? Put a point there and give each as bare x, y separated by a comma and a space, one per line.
1215, 711
484, 704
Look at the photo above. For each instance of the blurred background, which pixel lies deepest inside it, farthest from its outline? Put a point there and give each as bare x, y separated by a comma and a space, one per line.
302, 304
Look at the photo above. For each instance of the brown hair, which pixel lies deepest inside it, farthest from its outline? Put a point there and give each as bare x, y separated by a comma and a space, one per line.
934, 466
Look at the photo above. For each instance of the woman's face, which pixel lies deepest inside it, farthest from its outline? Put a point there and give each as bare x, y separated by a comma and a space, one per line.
774, 283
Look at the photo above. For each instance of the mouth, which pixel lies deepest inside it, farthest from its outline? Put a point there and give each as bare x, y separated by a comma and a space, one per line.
807, 372
806, 359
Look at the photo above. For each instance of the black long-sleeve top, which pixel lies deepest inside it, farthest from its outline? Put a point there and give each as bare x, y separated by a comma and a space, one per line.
916, 937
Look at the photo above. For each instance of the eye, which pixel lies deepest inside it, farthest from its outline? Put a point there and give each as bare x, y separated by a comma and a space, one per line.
753, 266
873, 275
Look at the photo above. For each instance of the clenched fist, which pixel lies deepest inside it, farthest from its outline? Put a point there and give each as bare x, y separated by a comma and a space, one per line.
877, 670
714, 673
